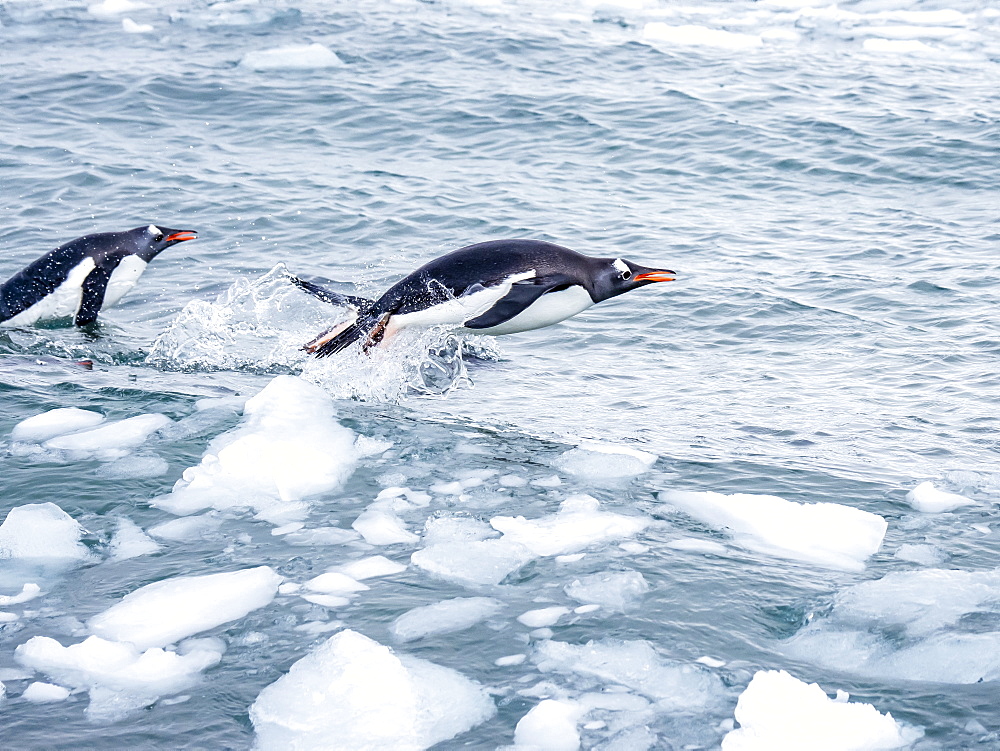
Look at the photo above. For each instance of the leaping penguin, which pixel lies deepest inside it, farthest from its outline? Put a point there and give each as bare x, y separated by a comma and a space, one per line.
497, 287
84, 275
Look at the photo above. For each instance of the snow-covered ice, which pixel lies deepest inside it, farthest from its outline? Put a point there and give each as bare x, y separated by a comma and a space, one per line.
778, 712
130, 541
551, 725
334, 583
826, 534
381, 527
616, 591
542, 617
473, 563
166, 611
288, 448
45, 693
370, 567
292, 57
41, 428
353, 693
445, 617
41, 530
925, 497
111, 440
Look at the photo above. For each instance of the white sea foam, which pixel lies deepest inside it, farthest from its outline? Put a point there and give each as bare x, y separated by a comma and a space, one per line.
692, 35
108, 8
41, 531
925, 497
778, 712
130, 541
826, 534
616, 591
166, 611
55, 422
292, 57
352, 693
288, 448
445, 617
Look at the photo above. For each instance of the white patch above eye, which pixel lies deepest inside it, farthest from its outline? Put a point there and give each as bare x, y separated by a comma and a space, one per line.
153, 229
621, 266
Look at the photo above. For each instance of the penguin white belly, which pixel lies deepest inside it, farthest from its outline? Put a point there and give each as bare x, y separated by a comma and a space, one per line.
123, 279
458, 310
61, 302
552, 307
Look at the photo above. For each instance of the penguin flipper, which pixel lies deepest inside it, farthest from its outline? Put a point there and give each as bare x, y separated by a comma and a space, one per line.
94, 287
329, 296
521, 296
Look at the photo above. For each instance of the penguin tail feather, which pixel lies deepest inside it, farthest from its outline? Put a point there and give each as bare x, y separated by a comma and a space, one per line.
361, 304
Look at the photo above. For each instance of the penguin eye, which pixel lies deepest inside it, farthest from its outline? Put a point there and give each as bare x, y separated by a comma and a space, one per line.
158, 238
626, 274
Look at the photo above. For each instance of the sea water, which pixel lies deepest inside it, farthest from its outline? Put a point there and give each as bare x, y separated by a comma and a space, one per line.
652, 526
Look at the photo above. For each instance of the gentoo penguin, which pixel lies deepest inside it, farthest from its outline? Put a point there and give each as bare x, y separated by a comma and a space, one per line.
497, 287
79, 278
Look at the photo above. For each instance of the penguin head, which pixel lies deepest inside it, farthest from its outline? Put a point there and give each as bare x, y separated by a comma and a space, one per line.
616, 276
154, 239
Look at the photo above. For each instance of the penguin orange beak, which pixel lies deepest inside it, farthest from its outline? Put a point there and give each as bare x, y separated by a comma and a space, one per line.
179, 237
663, 275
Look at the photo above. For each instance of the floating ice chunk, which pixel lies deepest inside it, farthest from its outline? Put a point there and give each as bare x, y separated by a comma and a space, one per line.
366, 446
925, 497
510, 660
131, 27
288, 447
616, 591
327, 601
131, 542
333, 583
542, 617
134, 468
578, 524
353, 693
701, 36
694, 545
549, 726
45, 693
925, 555
189, 528
41, 530
120, 677
512, 481
447, 488
635, 665
826, 534
41, 428
112, 440
113, 7
456, 529
380, 527
445, 617
321, 536
28, 592
778, 712
165, 611
292, 57
367, 568
552, 481
605, 462
474, 563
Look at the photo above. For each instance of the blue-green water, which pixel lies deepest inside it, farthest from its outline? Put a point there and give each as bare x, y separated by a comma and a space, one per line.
827, 192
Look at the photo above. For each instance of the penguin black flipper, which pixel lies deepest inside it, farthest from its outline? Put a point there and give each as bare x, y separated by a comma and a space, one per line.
329, 296
521, 296
94, 287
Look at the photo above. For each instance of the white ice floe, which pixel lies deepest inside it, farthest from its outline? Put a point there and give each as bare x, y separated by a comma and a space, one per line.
925, 497
370, 567
543, 617
41, 428
334, 583
166, 611
354, 693
925, 555
120, 677
131, 27
321, 536
473, 563
445, 617
700, 36
826, 534
134, 468
906, 626
288, 448
579, 524
616, 591
28, 592
598, 462
111, 440
292, 57
634, 665
45, 693
130, 541
381, 527
187, 528
41, 530
551, 725
778, 712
